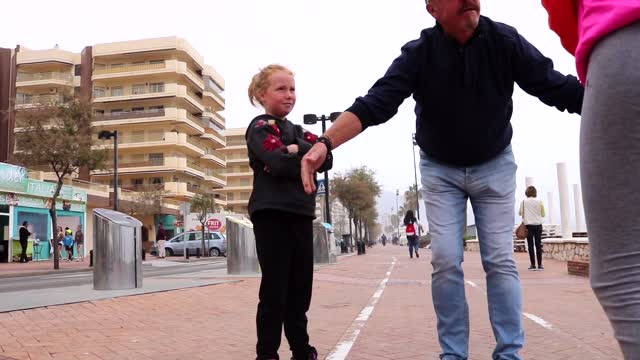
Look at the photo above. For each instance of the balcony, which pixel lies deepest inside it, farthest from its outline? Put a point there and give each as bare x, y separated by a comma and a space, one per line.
126, 115
213, 115
160, 90
215, 157
27, 100
238, 158
44, 78
213, 98
238, 187
217, 177
151, 141
126, 68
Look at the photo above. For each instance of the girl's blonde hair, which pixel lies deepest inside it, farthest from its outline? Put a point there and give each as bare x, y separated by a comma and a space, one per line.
260, 81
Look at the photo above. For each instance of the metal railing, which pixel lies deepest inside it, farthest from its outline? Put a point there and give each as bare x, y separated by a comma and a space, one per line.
130, 115
236, 143
193, 165
217, 174
131, 164
147, 137
22, 76
38, 99
216, 153
215, 93
138, 90
118, 68
199, 77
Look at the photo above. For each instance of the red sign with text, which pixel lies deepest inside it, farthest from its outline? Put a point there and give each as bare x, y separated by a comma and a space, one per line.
214, 224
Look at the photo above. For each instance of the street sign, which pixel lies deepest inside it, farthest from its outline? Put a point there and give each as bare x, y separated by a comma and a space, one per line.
214, 224
321, 187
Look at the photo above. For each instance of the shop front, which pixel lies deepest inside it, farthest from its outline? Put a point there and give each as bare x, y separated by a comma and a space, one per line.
23, 199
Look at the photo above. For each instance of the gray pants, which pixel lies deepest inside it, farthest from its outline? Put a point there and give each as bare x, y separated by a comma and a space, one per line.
610, 173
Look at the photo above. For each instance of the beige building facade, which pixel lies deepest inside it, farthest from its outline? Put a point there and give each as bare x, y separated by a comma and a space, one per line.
239, 174
159, 94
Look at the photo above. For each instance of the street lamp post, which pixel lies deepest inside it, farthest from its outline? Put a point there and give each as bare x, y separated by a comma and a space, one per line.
415, 179
398, 213
311, 119
106, 135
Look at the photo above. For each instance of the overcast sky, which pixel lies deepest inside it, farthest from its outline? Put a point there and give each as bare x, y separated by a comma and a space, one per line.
337, 48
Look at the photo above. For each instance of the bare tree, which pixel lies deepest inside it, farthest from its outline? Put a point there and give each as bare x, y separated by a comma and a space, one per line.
148, 200
204, 204
57, 138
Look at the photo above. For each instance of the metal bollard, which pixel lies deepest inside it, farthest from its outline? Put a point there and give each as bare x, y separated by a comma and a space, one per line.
198, 253
90, 258
186, 253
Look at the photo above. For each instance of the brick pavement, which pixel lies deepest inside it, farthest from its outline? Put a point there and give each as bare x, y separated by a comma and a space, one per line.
217, 322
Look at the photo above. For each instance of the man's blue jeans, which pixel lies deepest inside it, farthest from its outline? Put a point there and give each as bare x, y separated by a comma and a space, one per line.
491, 189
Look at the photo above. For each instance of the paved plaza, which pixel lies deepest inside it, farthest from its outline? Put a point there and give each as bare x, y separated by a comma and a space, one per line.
376, 306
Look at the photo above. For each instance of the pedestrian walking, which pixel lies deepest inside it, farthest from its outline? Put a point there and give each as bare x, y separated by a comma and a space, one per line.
161, 238
413, 240
79, 240
532, 212
282, 215
24, 234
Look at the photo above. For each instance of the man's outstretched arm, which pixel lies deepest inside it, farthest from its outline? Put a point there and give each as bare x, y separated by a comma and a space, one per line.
345, 128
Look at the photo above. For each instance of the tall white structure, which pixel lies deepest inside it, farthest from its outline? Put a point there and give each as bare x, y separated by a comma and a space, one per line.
528, 181
550, 207
579, 209
565, 212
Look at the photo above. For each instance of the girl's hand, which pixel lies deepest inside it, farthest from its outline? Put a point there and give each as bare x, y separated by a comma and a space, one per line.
292, 149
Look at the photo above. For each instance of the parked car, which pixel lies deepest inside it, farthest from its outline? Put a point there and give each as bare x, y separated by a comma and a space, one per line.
215, 243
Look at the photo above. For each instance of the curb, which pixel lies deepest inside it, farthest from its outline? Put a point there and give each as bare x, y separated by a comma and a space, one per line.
51, 272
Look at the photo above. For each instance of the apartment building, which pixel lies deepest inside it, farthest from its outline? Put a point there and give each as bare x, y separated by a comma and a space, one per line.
239, 174
159, 94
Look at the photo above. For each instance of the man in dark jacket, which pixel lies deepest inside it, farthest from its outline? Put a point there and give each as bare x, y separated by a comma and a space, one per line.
461, 73
24, 234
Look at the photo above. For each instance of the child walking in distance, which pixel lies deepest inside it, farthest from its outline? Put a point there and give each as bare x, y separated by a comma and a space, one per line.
282, 215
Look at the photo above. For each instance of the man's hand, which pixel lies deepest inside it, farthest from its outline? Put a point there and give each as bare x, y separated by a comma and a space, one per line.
292, 149
310, 163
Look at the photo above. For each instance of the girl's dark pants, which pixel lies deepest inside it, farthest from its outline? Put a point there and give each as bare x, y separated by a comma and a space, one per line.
284, 243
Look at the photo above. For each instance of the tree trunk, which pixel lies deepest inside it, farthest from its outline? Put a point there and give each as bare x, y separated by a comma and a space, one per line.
203, 245
54, 241
350, 228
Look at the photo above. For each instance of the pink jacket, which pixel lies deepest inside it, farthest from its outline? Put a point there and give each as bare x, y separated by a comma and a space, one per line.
595, 19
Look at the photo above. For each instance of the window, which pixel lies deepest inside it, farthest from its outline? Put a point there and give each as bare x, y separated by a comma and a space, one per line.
156, 61
158, 107
137, 89
230, 196
156, 159
244, 182
98, 91
137, 158
244, 196
98, 113
77, 70
117, 91
214, 236
137, 136
137, 109
157, 181
156, 87
137, 182
116, 111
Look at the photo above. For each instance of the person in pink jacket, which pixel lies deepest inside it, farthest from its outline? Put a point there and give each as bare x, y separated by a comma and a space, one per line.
604, 36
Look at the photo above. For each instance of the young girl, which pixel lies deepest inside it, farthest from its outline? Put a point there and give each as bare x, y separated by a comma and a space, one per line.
282, 215
604, 36
411, 229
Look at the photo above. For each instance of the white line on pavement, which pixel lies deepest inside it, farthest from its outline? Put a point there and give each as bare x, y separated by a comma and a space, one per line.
538, 320
347, 340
